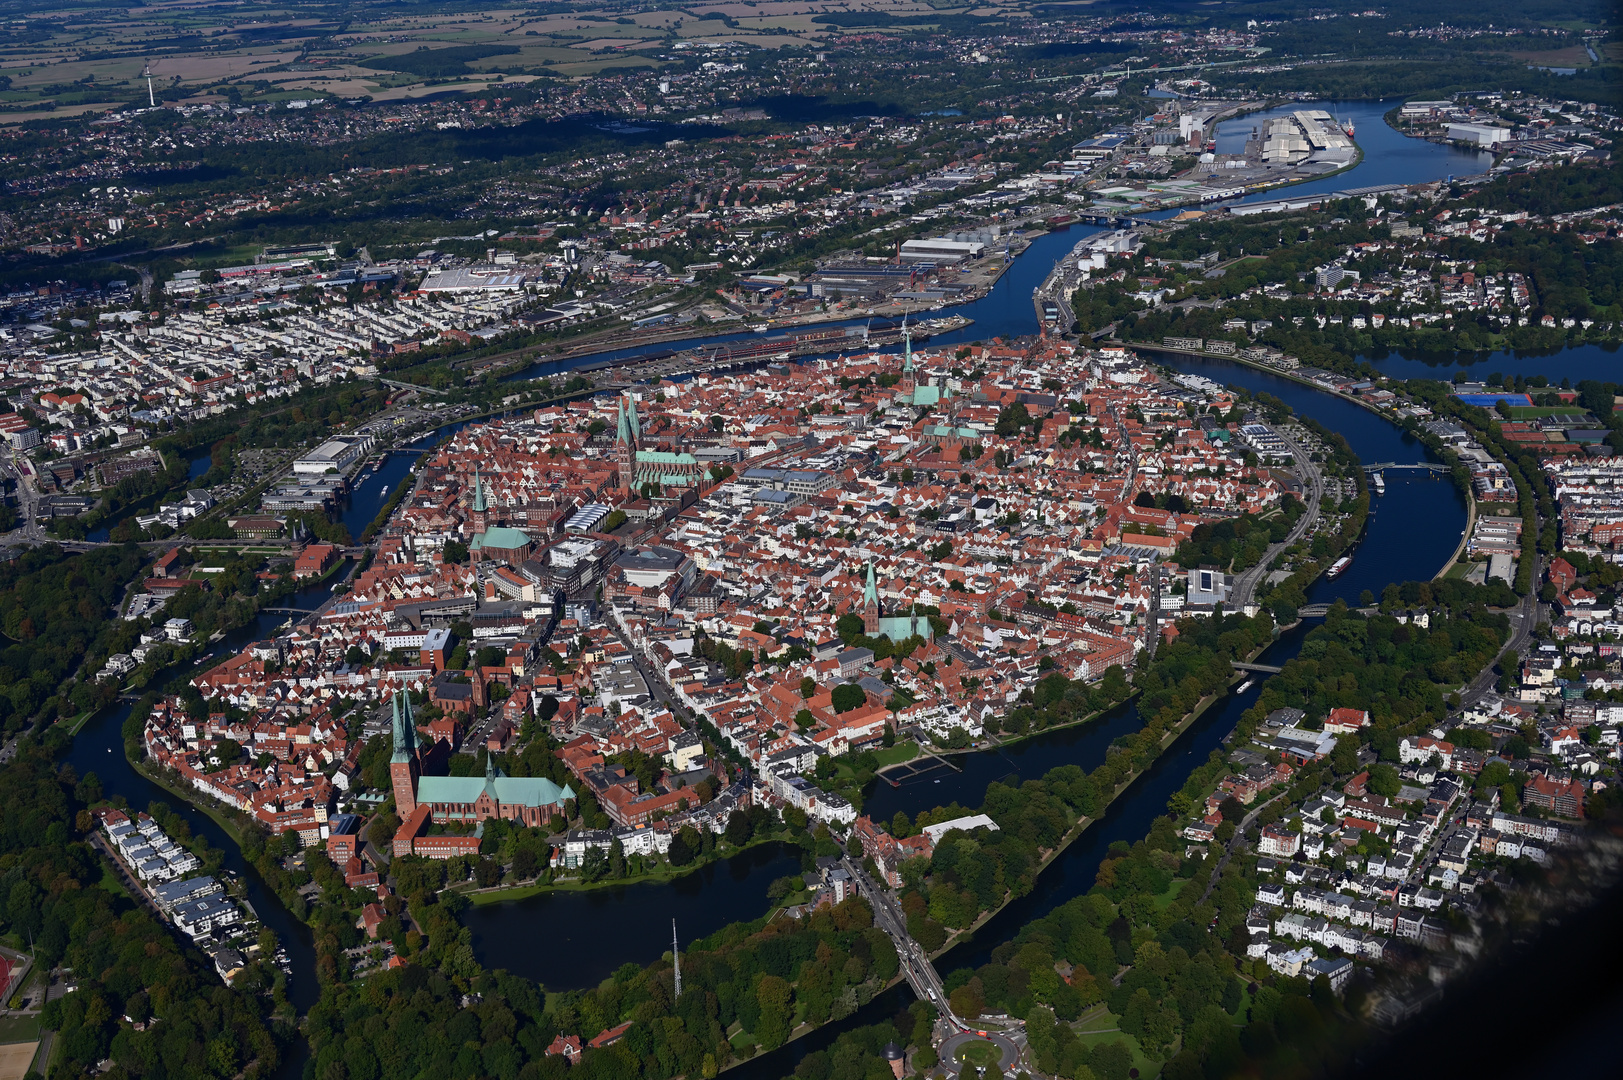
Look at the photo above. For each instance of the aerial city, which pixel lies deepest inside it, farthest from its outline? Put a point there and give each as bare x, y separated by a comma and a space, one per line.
818, 539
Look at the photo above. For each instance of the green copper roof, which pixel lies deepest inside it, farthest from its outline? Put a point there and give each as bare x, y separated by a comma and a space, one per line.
511, 790
501, 537
665, 457
404, 728
478, 493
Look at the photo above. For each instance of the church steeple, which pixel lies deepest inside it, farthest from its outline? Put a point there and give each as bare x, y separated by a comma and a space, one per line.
481, 509
404, 763
627, 433
907, 355
870, 603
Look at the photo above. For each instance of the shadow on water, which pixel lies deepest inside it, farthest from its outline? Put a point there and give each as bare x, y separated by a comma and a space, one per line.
558, 939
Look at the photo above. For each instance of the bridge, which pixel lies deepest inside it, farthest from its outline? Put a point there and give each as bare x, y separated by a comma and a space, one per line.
1266, 669
287, 611
1311, 611
410, 386
916, 967
1412, 466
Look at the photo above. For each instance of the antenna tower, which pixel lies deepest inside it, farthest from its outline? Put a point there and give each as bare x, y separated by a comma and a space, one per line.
146, 73
676, 959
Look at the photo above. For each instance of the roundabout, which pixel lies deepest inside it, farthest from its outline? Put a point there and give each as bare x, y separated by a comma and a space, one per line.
967, 1053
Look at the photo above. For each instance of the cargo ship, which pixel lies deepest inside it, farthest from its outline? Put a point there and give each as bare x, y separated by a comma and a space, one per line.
1339, 566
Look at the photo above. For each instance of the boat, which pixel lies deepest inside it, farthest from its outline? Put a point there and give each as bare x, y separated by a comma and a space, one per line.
1243, 687
1338, 566
1380, 483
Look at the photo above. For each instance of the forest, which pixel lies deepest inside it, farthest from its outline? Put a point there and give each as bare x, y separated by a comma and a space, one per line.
1398, 672
60, 611
56, 892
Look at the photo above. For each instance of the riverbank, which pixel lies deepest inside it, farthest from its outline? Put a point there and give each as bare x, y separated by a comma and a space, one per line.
1084, 823
1077, 832
664, 874
997, 742
1465, 537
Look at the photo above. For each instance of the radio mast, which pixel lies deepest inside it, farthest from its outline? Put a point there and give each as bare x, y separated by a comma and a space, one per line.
146, 73
676, 960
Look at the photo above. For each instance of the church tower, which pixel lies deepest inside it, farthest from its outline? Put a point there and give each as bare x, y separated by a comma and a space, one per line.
870, 604
908, 381
404, 768
626, 436
481, 510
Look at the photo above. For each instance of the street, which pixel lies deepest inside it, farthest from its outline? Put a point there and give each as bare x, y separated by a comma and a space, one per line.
1245, 583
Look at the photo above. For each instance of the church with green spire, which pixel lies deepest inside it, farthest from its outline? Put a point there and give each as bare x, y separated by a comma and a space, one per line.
490, 541
927, 396
639, 466
896, 627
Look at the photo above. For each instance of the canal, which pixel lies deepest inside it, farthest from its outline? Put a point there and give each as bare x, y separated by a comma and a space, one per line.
1412, 532
99, 749
575, 939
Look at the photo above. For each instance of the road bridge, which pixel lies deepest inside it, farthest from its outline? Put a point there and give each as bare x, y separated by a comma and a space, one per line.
409, 386
1411, 466
1266, 669
920, 973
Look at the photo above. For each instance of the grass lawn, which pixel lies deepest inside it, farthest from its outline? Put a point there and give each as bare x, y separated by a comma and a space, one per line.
1459, 570
1096, 1019
980, 1052
1566, 412
109, 881
1164, 901
16, 1029
895, 755
1145, 1066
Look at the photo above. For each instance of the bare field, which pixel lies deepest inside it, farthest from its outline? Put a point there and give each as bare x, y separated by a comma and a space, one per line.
102, 54
15, 1059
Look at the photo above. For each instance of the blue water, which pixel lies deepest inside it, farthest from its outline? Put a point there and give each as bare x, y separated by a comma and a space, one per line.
99, 748
1574, 363
1389, 158
199, 465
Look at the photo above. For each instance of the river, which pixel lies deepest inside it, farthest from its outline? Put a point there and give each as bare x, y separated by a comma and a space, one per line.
99, 749
558, 939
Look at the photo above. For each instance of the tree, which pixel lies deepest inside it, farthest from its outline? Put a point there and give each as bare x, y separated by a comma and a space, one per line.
848, 696
808, 686
454, 551
381, 831
1344, 758
738, 829
1384, 780
684, 846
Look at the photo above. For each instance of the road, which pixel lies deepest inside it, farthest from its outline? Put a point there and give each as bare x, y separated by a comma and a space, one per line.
1235, 843
888, 916
1246, 582
1523, 621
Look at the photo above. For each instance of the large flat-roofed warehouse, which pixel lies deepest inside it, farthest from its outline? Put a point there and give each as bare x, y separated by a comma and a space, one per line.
338, 452
941, 250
